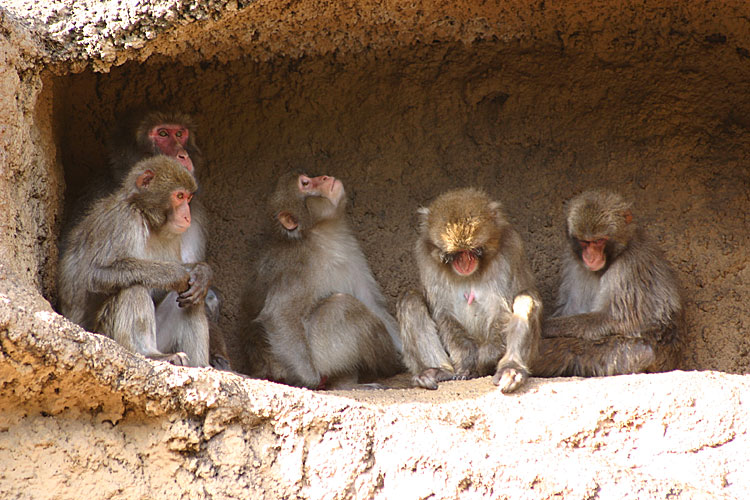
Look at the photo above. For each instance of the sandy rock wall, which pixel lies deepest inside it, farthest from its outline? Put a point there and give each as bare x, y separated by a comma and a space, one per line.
31, 181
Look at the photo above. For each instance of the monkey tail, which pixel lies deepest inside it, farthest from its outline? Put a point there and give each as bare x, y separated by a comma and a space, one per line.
616, 355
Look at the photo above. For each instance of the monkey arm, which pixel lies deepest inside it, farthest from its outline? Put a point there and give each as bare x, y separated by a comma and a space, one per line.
127, 272
590, 326
423, 348
200, 280
461, 349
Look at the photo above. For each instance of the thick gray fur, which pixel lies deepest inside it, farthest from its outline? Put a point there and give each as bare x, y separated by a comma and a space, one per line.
626, 318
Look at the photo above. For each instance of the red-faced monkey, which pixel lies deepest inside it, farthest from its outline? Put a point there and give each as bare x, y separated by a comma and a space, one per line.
171, 134
324, 315
125, 250
619, 308
479, 313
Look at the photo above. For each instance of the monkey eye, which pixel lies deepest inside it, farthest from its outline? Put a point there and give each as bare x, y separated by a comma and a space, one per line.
180, 196
304, 182
446, 257
178, 133
163, 133
478, 252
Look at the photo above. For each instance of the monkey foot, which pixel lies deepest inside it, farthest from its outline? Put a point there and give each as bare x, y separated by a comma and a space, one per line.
509, 379
220, 363
178, 358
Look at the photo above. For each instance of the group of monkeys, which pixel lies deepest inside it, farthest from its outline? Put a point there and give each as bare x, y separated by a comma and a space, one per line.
133, 269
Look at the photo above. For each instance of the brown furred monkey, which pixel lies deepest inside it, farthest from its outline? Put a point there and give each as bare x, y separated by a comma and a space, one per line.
480, 313
171, 134
125, 249
324, 316
619, 308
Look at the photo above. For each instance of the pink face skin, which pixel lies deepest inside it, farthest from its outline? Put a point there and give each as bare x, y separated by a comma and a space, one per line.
465, 263
179, 217
170, 140
323, 185
592, 253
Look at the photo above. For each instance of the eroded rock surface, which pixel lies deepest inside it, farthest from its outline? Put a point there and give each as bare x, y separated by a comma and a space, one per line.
81, 417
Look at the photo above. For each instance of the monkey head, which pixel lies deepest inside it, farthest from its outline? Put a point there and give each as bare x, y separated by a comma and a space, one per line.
168, 134
161, 189
600, 227
462, 230
300, 202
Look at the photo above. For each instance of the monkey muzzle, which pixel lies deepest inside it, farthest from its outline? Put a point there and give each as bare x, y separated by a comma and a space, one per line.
464, 262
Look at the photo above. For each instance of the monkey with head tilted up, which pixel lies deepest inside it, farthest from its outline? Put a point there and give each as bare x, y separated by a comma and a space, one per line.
324, 317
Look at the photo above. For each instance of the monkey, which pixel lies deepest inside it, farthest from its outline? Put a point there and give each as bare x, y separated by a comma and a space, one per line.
126, 249
172, 134
479, 312
619, 307
324, 316
219, 358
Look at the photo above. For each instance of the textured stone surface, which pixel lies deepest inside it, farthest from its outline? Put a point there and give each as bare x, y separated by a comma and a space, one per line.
532, 101
83, 418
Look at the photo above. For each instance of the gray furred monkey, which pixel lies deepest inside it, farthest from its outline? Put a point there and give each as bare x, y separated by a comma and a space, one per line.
144, 135
619, 308
127, 248
479, 313
324, 316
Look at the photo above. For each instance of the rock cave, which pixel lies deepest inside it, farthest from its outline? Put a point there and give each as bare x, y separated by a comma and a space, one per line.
532, 101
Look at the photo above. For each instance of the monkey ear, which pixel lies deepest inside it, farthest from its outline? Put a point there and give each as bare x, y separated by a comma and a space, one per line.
288, 221
145, 179
628, 215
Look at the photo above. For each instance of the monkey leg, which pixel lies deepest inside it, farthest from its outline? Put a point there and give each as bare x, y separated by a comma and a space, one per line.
347, 340
217, 349
423, 352
129, 318
568, 356
182, 329
521, 335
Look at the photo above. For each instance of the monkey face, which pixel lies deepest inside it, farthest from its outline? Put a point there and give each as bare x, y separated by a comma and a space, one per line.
170, 140
592, 253
464, 228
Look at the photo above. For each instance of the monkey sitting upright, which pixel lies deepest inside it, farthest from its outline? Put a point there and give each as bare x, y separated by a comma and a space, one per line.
480, 313
619, 308
126, 249
324, 316
173, 134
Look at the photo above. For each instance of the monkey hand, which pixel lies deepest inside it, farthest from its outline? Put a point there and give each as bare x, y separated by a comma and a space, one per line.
430, 377
200, 279
509, 377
